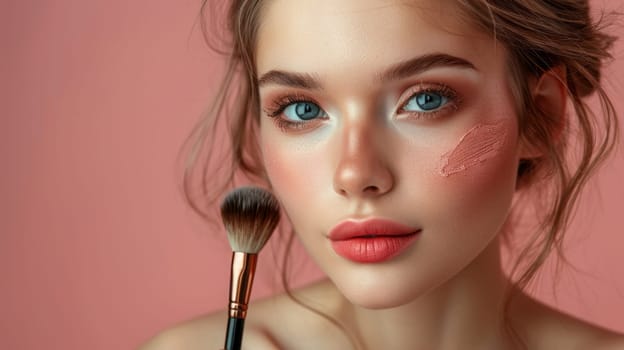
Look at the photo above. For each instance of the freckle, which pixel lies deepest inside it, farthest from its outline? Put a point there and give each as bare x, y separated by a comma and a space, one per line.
480, 143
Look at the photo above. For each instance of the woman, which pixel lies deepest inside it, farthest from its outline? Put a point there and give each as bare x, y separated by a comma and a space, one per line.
398, 137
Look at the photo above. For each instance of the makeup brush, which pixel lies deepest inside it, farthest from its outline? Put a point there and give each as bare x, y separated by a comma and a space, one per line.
250, 215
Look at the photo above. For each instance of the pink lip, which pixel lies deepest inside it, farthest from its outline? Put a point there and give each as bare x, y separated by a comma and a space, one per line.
372, 240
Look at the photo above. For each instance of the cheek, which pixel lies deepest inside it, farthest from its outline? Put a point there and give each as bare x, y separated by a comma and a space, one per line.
481, 143
476, 178
280, 163
295, 170
484, 159
464, 184
486, 151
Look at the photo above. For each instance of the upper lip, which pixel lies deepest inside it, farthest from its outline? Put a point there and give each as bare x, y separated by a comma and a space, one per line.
352, 228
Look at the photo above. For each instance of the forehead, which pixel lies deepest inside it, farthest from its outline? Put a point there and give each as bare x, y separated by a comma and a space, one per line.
343, 35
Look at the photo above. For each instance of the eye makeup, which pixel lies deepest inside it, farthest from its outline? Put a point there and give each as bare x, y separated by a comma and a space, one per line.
449, 99
413, 104
277, 107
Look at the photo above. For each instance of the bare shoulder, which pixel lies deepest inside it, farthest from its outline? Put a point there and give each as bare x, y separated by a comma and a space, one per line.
270, 325
549, 328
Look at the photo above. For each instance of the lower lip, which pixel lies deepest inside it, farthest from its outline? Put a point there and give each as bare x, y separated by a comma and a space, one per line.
372, 249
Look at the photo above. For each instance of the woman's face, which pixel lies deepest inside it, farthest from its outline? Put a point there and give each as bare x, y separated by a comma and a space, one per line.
388, 133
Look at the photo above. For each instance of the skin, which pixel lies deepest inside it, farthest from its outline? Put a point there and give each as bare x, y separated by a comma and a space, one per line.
369, 161
368, 154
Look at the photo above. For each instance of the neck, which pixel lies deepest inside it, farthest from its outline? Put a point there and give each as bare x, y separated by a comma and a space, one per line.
465, 312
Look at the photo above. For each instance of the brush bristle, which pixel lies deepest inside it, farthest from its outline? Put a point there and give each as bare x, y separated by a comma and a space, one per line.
249, 214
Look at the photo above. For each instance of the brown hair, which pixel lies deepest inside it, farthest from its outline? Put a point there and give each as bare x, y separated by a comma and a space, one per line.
539, 35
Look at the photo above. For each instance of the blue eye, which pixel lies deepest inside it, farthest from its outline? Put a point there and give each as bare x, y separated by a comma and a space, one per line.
302, 111
425, 102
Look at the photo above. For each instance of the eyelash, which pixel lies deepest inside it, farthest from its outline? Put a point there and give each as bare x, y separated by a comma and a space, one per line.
443, 90
281, 103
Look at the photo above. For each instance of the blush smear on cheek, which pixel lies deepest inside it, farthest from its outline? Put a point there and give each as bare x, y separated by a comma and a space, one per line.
480, 143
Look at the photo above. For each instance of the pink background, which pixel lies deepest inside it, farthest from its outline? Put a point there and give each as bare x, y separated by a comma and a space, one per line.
97, 248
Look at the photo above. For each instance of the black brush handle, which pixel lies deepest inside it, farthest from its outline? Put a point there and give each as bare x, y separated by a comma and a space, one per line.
234, 335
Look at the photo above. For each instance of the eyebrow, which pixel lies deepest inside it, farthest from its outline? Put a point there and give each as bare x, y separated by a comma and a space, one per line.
397, 71
420, 64
297, 80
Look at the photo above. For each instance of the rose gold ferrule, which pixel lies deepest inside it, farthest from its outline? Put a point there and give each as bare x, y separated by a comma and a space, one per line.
241, 280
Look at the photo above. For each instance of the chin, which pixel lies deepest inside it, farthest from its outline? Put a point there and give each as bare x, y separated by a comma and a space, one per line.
379, 299
376, 304
376, 292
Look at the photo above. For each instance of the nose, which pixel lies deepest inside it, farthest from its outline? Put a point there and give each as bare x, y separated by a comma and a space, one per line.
362, 170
